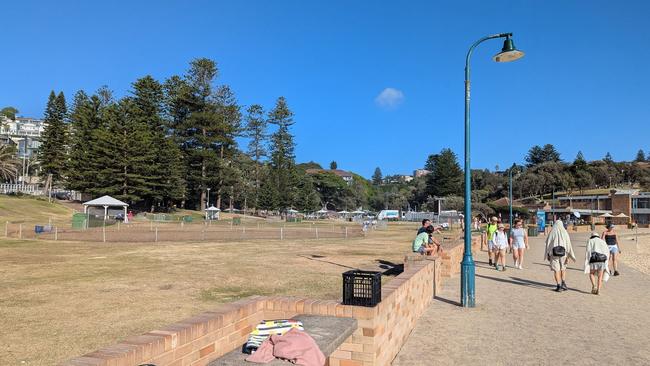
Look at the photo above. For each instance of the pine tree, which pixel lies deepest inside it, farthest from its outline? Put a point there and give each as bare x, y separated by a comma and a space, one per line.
123, 153
446, 177
608, 158
256, 130
52, 152
333, 165
269, 198
282, 153
164, 170
640, 156
376, 177
85, 117
205, 122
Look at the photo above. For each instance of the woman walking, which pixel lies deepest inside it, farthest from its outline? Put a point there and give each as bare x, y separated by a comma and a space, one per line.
518, 243
609, 236
500, 245
557, 253
491, 230
596, 262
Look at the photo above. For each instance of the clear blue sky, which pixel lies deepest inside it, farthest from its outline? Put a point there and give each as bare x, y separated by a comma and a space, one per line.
583, 84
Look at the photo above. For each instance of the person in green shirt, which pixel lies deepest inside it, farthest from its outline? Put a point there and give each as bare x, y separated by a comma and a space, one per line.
492, 228
421, 242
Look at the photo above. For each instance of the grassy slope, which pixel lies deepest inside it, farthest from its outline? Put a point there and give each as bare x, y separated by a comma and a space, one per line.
28, 209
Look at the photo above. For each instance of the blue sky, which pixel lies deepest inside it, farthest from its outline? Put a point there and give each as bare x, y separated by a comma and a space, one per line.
583, 84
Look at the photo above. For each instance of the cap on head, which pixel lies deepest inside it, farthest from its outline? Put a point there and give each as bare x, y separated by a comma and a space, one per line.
594, 235
502, 226
494, 218
610, 226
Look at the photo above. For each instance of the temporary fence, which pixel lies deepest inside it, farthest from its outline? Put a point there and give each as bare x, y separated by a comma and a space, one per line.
180, 233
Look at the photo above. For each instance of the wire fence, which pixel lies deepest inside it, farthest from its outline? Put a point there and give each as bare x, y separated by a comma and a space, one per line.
122, 233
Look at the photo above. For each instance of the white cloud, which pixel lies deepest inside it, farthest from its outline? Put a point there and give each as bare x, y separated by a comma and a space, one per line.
389, 98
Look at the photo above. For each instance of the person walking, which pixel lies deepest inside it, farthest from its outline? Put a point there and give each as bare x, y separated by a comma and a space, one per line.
610, 238
518, 243
596, 262
491, 229
500, 246
558, 252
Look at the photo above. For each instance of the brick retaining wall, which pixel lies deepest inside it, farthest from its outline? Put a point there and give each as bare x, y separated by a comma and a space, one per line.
381, 332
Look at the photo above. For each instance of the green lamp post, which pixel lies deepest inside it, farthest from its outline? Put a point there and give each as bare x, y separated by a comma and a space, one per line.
508, 53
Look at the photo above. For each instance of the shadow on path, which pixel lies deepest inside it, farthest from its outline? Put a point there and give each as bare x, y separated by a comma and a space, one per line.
546, 265
528, 283
447, 301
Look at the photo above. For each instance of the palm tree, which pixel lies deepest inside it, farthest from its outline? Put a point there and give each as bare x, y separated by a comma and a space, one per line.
8, 163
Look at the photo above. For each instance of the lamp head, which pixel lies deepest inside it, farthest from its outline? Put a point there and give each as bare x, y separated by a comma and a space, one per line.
508, 52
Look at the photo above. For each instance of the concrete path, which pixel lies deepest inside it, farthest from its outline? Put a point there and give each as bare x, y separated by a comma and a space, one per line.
520, 320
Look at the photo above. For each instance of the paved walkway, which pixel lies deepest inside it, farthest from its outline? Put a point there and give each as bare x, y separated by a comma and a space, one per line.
520, 320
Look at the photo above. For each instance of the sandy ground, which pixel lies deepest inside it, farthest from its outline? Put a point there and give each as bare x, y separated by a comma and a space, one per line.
520, 320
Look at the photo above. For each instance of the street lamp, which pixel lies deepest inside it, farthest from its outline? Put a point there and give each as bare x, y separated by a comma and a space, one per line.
208, 203
508, 53
510, 197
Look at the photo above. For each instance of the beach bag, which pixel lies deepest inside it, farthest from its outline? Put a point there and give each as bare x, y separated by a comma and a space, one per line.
597, 258
559, 251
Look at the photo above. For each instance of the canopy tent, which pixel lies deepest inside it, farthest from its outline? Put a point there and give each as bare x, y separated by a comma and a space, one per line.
357, 212
106, 202
622, 215
322, 211
212, 213
343, 212
292, 211
606, 214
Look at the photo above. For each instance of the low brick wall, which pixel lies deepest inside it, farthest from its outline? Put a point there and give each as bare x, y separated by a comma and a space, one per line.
381, 332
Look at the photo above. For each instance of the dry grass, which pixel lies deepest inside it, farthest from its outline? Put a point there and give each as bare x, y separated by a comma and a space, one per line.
63, 299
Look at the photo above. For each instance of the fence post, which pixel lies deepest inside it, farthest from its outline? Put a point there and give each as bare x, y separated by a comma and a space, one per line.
281, 233
156, 234
56, 233
118, 226
20, 231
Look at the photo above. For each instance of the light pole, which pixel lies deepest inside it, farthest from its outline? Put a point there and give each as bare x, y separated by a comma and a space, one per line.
510, 198
208, 203
508, 53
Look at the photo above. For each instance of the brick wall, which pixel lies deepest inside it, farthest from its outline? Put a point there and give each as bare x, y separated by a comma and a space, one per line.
381, 332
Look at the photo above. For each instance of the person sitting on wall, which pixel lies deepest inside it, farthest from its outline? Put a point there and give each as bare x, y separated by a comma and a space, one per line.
421, 243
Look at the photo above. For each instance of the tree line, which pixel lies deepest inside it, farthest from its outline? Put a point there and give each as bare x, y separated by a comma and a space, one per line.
170, 144
543, 172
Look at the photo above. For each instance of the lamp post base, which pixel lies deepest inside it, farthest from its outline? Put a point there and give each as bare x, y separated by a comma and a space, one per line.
467, 271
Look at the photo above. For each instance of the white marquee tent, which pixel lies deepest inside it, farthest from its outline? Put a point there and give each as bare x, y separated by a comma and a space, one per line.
106, 202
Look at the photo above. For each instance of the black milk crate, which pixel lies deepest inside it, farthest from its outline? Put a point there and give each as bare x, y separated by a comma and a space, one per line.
361, 288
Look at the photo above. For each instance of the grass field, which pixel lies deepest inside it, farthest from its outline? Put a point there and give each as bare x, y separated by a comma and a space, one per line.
62, 299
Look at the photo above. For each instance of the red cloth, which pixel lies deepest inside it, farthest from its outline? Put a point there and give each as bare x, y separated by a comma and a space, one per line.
295, 346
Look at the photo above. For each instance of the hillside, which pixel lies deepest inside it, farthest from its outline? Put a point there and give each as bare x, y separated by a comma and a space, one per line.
29, 209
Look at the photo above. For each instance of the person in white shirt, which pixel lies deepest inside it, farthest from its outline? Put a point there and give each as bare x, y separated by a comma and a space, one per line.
518, 243
597, 256
500, 245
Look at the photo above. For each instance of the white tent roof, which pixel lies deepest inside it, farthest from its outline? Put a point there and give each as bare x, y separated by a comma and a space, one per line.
105, 201
606, 214
291, 210
212, 208
322, 210
621, 215
343, 212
